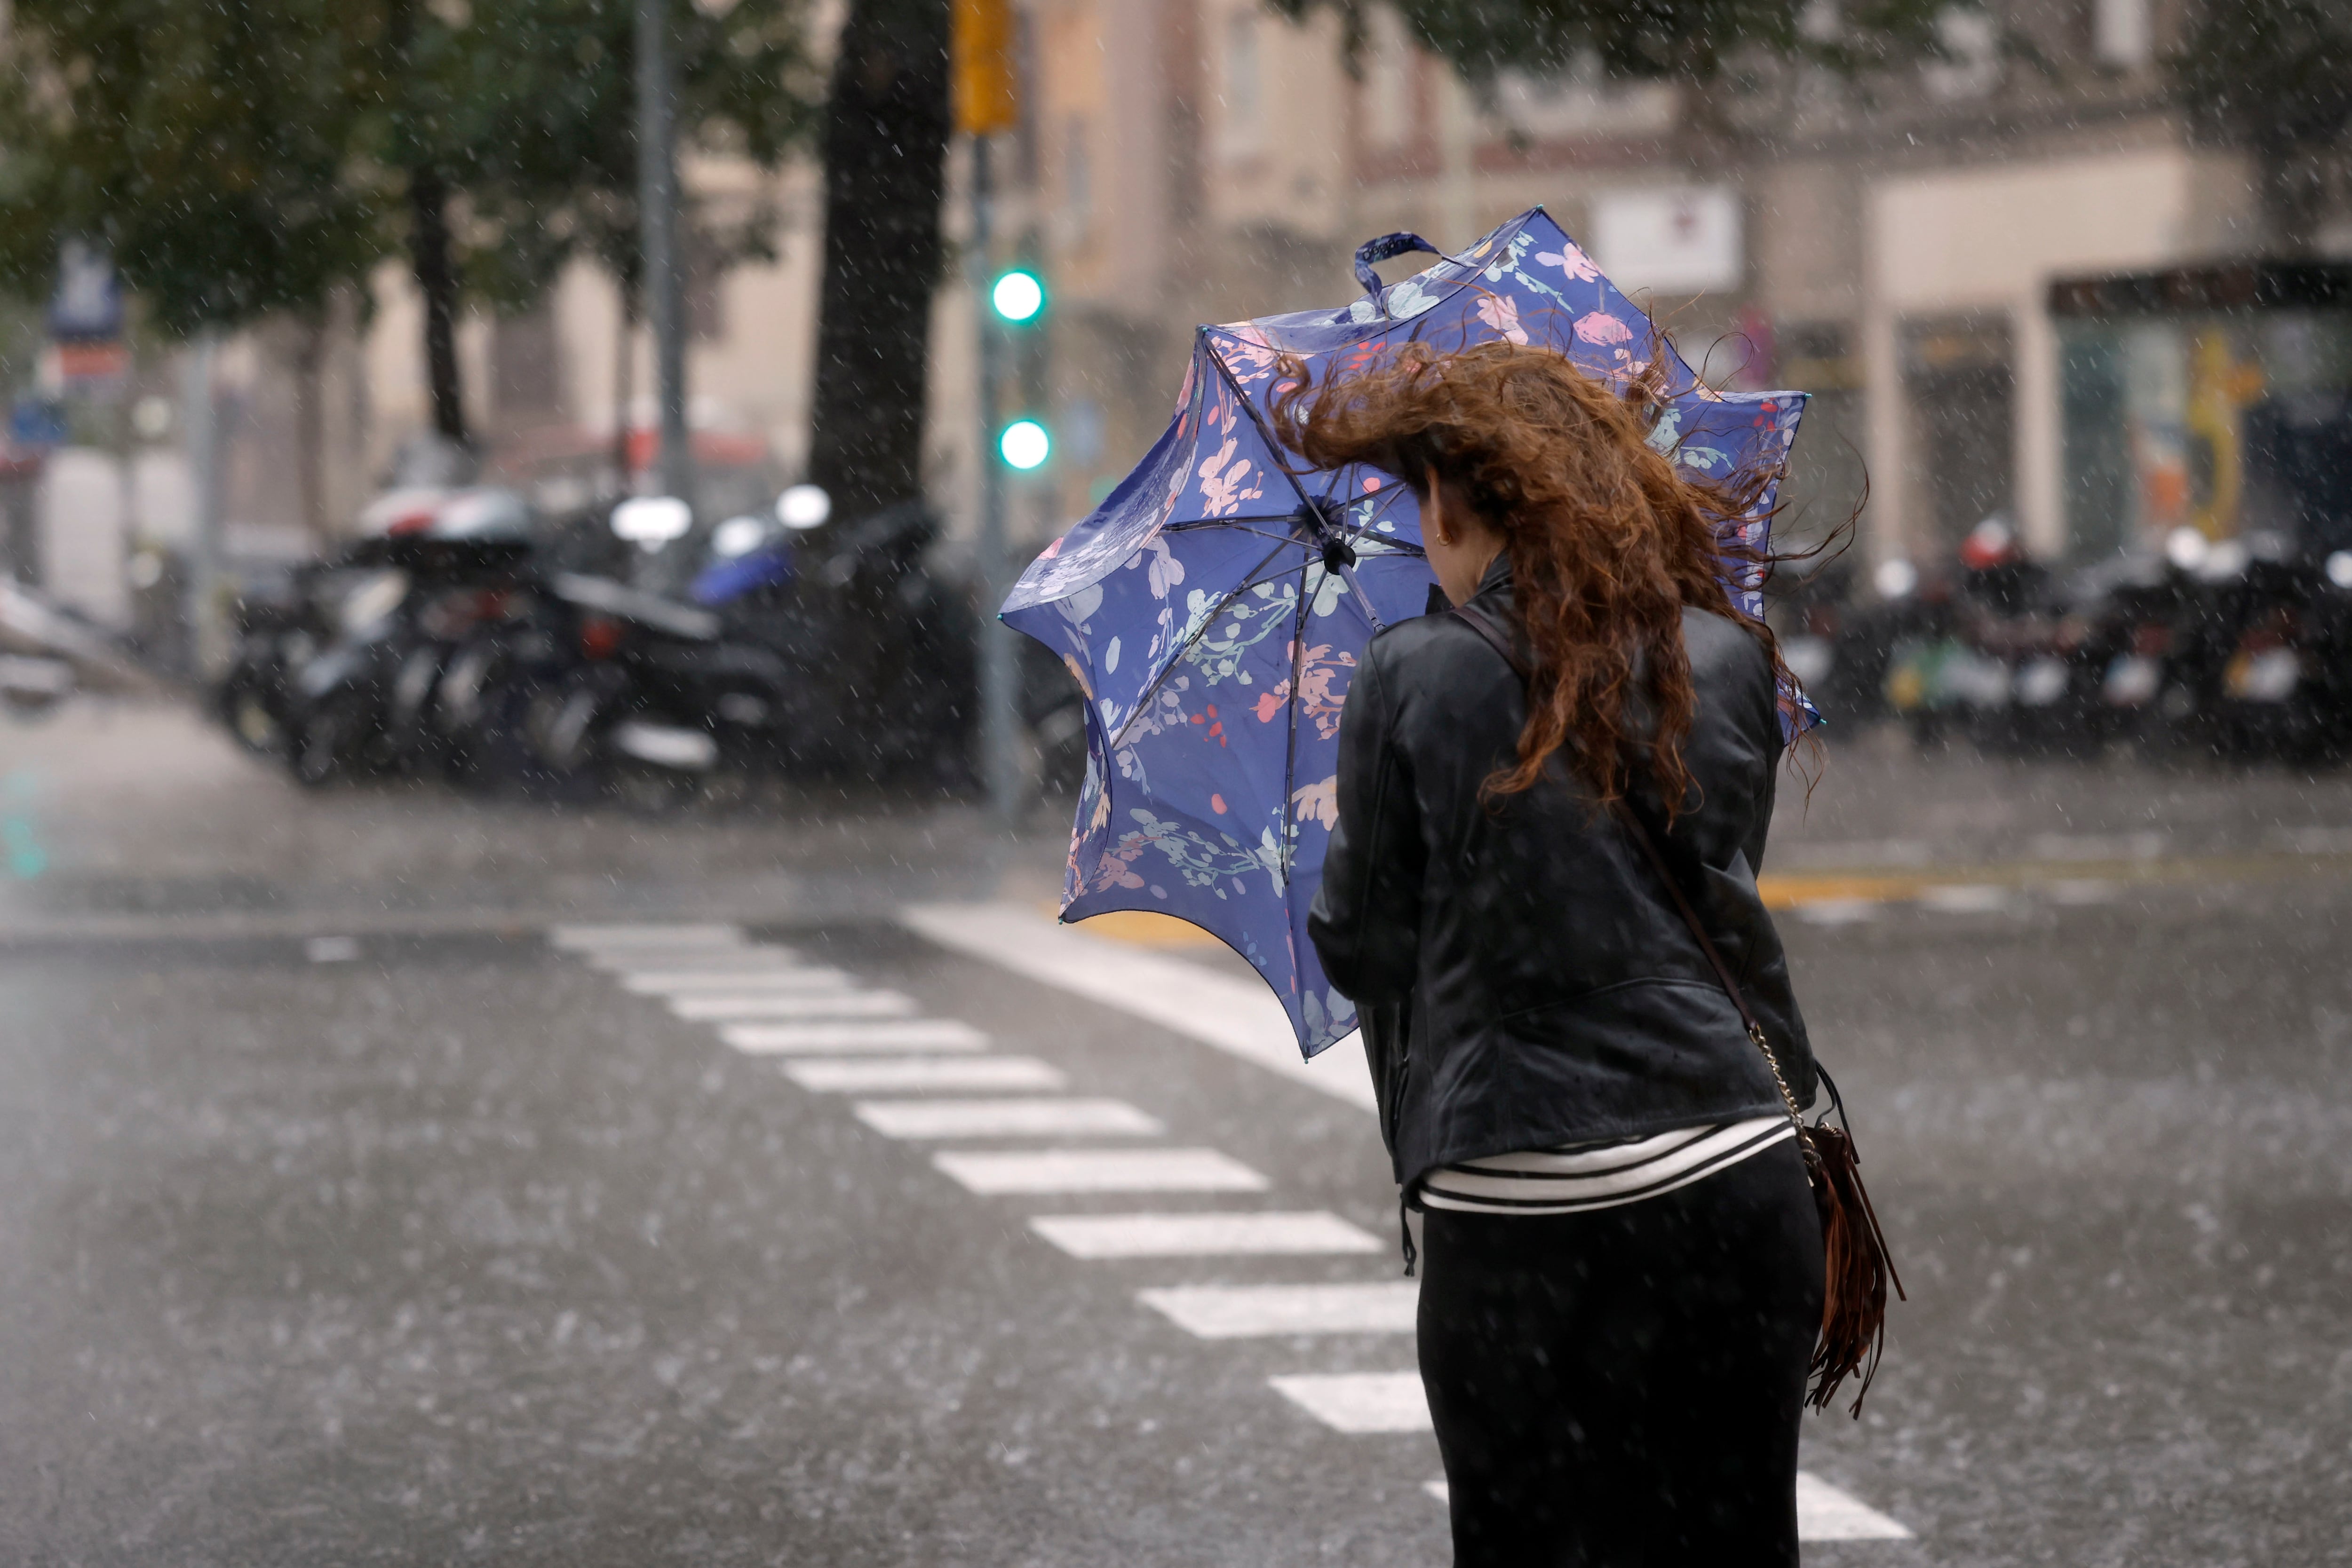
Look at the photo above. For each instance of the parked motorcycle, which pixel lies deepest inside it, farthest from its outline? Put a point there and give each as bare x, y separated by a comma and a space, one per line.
755, 649
335, 676
2270, 671
1992, 651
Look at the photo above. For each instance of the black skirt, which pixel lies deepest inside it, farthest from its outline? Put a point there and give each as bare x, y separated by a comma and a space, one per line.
1622, 1388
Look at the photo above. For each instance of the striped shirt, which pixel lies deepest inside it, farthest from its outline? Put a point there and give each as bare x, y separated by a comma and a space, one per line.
1580, 1176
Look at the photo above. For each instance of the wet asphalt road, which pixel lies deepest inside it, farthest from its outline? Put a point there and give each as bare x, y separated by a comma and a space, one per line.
455, 1250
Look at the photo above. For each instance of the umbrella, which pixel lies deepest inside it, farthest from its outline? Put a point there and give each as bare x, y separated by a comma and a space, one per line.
1214, 607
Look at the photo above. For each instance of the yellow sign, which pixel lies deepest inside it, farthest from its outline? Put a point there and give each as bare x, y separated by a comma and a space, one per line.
987, 84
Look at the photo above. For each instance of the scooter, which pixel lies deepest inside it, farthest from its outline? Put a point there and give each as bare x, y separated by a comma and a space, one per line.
358, 700
606, 688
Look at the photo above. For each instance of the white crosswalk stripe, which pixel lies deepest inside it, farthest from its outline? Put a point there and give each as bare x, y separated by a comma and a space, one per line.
1005, 1118
1237, 1016
1100, 1170
608, 939
1359, 1401
672, 982
1824, 1513
836, 1038
1244, 1312
1244, 1234
735, 1007
853, 1037
884, 1075
720, 960
1966, 898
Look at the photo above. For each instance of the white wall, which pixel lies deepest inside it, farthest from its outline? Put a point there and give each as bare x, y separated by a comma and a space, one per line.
1992, 240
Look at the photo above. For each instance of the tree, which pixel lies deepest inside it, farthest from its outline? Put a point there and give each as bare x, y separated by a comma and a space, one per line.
2275, 77
208, 147
241, 157
885, 137
522, 115
1695, 42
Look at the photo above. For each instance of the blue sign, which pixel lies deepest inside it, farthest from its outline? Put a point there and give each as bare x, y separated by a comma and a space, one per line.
38, 421
87, 307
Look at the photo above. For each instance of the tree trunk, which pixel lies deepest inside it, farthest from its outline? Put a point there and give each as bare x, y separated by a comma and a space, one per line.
885, 137
437, 279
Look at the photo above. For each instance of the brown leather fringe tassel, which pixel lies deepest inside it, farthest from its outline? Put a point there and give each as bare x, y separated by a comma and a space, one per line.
1858, 1269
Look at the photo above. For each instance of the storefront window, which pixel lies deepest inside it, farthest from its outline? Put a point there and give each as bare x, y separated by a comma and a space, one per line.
2225, 421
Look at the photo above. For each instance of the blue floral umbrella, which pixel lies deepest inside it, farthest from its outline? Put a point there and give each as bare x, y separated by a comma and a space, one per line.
1215, 606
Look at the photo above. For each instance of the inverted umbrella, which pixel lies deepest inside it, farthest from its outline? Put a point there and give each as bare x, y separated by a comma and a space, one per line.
1215, 606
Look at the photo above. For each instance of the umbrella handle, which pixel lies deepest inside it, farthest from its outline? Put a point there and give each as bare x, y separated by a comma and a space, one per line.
1381, 249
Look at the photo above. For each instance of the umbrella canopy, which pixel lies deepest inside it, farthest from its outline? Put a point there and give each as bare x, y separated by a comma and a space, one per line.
1215, 606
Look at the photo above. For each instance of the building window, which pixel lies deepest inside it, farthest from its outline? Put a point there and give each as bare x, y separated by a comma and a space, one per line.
1970, 66
704, 286
527, 366
2121, 32
1244, 108
1390, 109
1078, 179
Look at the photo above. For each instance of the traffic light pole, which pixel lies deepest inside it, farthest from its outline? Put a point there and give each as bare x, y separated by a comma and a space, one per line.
1000, 718
657, 237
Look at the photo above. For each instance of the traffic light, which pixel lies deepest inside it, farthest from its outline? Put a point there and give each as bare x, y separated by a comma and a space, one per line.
1018, 296
1024, 445
983, 60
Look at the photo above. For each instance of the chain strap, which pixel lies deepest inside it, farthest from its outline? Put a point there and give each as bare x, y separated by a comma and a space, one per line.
1788, 1098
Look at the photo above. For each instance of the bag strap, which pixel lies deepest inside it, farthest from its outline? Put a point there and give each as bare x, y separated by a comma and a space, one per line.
1478, 620
1381, 249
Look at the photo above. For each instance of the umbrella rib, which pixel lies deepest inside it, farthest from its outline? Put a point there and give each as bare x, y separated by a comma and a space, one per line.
1363, 600
1272, 445
1176, 657
1261, 533
1290, 754
1364, 528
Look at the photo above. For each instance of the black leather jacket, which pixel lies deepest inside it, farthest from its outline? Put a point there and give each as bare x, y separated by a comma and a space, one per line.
1524, 977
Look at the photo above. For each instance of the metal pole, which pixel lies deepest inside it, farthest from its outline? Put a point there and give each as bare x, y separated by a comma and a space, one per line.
1000, 722
657, 224
200, 426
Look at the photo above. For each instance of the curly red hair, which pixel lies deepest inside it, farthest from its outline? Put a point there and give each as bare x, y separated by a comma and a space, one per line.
1608, 539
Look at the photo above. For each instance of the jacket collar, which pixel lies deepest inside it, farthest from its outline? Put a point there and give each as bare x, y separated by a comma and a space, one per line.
1494, 588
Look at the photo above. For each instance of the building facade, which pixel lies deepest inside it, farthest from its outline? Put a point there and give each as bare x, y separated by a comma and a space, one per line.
1887, 245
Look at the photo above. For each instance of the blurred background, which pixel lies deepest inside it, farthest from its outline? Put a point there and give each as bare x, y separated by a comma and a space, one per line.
2062, 281
520, 834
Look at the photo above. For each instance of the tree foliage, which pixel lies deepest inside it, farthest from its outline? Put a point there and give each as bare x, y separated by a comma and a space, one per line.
211, 148
2275, 77
1691, 40
240, 157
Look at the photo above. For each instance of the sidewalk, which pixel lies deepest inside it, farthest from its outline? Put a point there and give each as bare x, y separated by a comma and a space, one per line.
129, 814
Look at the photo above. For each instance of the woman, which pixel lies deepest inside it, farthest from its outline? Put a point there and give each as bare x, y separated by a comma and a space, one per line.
1623, 1258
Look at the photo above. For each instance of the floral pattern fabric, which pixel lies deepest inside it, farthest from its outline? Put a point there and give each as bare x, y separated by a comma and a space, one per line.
1215, 607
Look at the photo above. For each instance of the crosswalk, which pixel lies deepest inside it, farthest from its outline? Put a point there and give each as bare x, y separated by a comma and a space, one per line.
936, 1081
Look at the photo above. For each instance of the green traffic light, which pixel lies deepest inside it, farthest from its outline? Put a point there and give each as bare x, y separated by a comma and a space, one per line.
1019, 296
1024, 445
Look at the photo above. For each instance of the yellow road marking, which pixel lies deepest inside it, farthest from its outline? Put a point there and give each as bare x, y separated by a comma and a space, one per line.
1795, 890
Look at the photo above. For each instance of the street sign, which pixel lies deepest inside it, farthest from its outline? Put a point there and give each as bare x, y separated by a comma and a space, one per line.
88, 364
87, 305
987, 73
